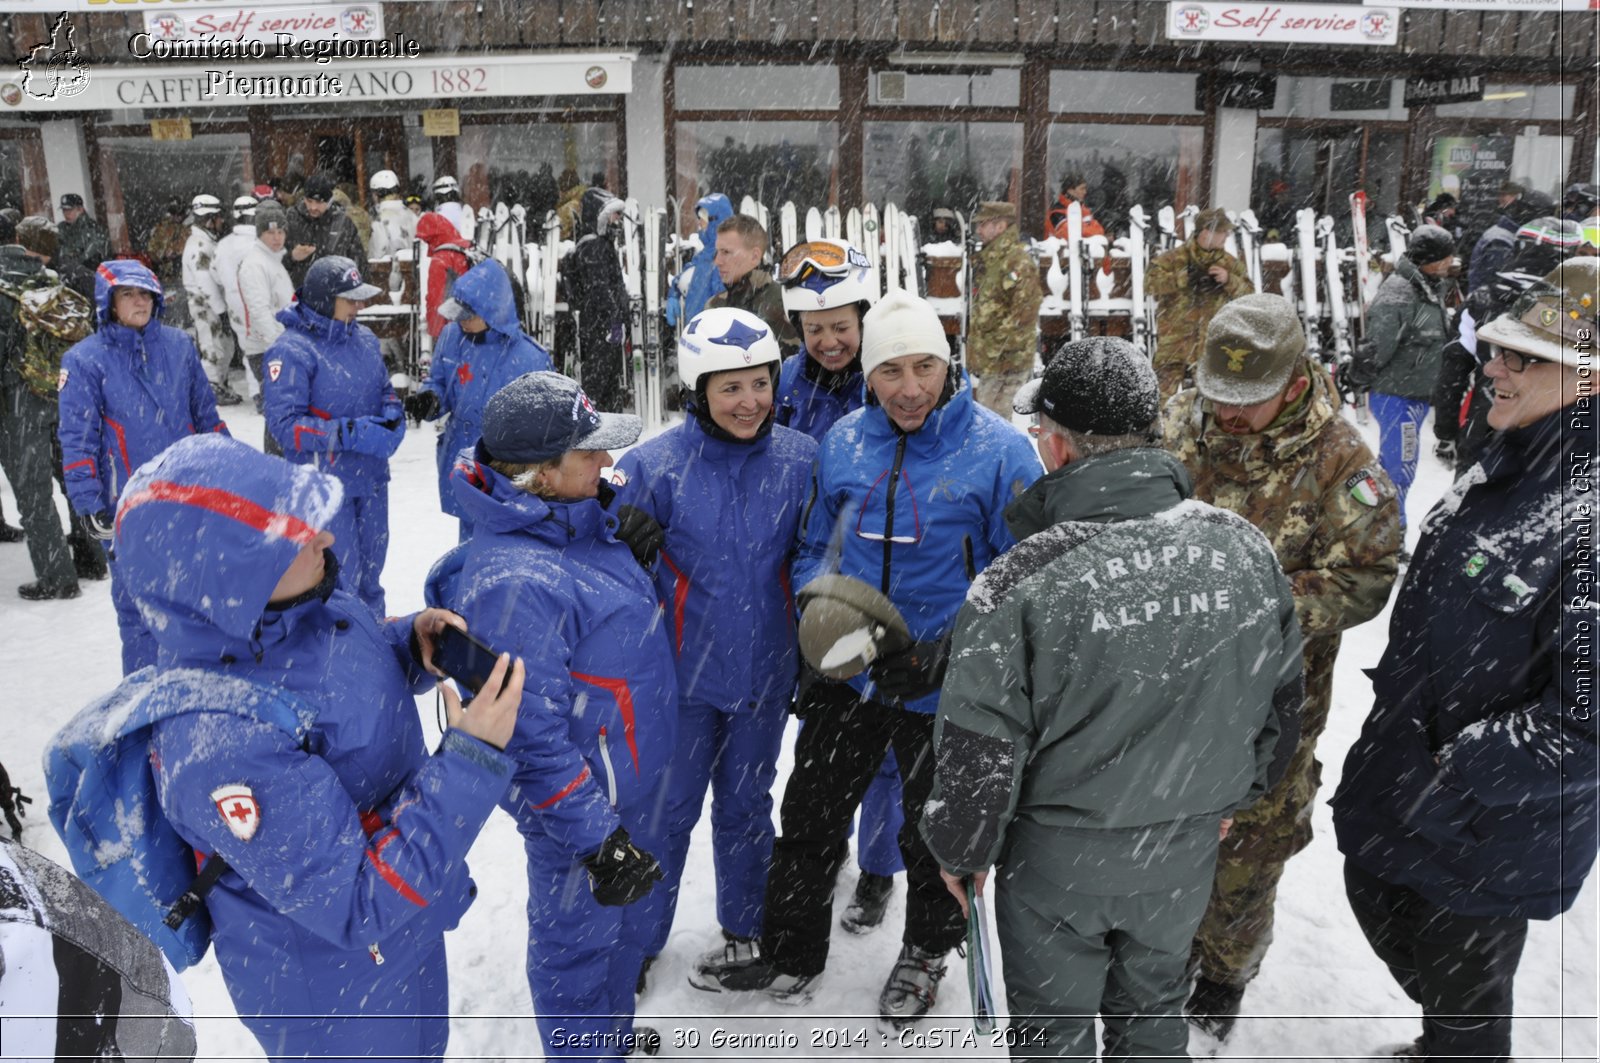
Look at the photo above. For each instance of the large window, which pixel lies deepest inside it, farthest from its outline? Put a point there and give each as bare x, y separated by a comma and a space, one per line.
1123, 92
772, 87
23, 181
1319, 167
140, 176
510, 161
1152, 165
923, 165
773, 162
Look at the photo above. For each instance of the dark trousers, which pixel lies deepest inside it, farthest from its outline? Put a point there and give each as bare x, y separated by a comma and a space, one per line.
27, 424
1458, 967
836, 757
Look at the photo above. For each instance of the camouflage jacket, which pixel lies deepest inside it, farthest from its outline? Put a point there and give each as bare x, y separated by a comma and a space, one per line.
165, 248
1312, 486
763, 297
1185, 303
1003, 327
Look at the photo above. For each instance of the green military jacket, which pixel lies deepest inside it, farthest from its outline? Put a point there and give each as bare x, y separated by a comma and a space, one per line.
758, 293
83, 243
1003, 326
1119, 678
1183, 309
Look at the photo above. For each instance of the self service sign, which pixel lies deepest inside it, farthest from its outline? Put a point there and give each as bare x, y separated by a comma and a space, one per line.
1283, 23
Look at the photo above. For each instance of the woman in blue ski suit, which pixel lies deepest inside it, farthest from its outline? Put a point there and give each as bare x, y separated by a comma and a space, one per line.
346, 851
126, 393
329, 405
705, 281
828, 287
727, 488
481, 351
545, 577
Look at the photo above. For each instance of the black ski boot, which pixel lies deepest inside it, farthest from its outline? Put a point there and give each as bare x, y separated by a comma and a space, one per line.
871, 900
1213, 1007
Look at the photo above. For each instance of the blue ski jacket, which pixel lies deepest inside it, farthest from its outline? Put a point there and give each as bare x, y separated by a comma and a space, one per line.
548, 581
731, 512
1476, 777
347, 852
805, 405
325, 385
468, 370
705, 281
126, 395
917, 516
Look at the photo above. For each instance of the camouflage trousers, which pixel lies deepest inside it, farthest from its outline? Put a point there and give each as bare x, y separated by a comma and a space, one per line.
1236, 931
1169, 378
995, 388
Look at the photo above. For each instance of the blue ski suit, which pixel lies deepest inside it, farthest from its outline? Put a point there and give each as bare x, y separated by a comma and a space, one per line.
731, 511
468, 370
805, 405
548, 581
329, 405
347, 852
705, 281
125, 395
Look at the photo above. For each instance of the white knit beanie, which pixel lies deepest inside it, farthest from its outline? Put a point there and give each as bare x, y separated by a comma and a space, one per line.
901, 324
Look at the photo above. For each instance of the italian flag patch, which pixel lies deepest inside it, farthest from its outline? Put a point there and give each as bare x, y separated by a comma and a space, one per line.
1363, 487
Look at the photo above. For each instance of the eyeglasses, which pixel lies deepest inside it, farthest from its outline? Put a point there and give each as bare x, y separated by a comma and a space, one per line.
1515, 361
817, 256
1034, 428
886, 535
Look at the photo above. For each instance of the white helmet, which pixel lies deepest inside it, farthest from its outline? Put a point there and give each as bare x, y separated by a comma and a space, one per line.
384, 181
721, 338
446, 184
823, 274
204, 206
244, 207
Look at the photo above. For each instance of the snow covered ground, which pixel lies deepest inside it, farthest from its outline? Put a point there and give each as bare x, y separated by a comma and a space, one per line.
1321, 995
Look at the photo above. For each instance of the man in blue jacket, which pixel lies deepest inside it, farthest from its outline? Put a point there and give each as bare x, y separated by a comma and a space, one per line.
685, 299
481, 351
126, 393
908, 496
329, 405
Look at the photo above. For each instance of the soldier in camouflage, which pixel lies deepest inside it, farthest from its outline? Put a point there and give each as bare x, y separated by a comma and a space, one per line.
1190, 284
1003, 326
741, 245
1262, 437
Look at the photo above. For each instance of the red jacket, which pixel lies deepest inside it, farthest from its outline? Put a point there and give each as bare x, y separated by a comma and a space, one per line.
1055, 221
447, 260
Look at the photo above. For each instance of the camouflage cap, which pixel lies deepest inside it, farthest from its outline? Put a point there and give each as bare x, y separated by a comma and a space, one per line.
995, 211
1252, 347
1554, 319
845, 624
1213, 218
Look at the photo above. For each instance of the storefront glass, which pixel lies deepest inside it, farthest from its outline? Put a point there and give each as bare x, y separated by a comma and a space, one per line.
1320, 168
1344, 98
771, 87
1515, 102
507, 162
1151, 165
773, 162
23, 181
923, 165
898, 87
140, 176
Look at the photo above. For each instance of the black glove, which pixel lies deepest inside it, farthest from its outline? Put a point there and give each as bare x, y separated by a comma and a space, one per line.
913, 672
621, 872
1445, 451
99, 525
641, 532
422, 405
1351, 381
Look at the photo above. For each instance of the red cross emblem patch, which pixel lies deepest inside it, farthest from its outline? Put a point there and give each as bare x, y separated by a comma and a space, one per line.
239, 810
464, 373
274, 370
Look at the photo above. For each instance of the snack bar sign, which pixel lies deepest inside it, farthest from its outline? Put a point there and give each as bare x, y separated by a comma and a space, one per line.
1282, 23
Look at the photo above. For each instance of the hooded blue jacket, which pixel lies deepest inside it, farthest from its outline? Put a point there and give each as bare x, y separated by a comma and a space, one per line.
316, 377
731, 512
467, 370
126, 395
705, 281
354, 843
805, 405
548, 581
943, 489
1475, 779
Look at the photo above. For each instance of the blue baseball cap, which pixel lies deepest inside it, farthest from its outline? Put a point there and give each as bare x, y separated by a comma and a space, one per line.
540, 416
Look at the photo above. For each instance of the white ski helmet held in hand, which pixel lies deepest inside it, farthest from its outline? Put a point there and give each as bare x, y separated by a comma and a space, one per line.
846, 624
823, 274
384, 181
723, 338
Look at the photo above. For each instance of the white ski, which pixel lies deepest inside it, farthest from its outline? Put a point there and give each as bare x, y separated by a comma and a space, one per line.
1167, 225
813, 224
891, 247
1187, 217
787, 225
852, 227
831, 227
633, 281
1143, 327
910, 254
1305, 224
654, 277
1075, 277
551, 266
1250, 246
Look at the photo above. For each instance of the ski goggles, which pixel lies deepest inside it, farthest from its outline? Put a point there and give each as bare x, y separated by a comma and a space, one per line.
816, 256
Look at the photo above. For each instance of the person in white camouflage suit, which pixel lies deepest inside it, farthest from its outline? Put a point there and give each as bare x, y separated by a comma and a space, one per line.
208, 309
